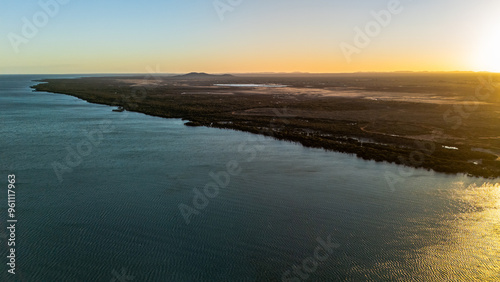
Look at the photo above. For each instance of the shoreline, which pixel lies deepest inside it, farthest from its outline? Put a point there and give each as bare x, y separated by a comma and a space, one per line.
343, 136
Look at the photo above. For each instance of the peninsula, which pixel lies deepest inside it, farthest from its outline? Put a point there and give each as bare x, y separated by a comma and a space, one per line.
446, 122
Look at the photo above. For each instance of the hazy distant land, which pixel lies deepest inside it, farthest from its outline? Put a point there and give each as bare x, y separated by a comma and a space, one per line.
448, 122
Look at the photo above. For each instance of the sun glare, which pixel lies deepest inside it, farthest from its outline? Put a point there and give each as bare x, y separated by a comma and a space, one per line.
488, 52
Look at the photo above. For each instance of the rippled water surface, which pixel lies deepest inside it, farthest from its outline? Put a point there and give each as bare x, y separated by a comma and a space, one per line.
114, 213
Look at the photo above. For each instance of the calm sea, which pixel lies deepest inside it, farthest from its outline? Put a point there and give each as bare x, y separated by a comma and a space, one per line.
98, 198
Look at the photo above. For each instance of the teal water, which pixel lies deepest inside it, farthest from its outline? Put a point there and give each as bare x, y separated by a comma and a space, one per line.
116, 214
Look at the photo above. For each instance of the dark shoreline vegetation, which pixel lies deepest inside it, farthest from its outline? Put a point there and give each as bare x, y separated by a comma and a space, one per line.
439, 127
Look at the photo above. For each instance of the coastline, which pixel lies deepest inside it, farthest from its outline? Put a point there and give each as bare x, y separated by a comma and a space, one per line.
279, 118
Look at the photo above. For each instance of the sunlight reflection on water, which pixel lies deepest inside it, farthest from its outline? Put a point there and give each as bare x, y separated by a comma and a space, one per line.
471, 249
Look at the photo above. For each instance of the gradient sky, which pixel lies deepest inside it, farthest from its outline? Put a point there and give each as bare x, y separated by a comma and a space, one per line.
111, 36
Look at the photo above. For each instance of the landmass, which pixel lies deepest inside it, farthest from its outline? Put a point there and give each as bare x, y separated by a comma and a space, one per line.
446, 122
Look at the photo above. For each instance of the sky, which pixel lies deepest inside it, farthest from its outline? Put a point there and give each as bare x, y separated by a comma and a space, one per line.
243, 36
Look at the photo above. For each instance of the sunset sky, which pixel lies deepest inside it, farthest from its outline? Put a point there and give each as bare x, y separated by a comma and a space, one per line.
255, 36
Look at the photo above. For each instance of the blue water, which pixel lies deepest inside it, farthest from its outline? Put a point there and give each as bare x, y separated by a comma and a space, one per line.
116, 214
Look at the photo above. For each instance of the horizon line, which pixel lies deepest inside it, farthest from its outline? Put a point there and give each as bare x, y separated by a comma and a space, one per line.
247, 73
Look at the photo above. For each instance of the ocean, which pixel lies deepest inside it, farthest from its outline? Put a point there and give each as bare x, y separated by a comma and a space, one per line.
122, 196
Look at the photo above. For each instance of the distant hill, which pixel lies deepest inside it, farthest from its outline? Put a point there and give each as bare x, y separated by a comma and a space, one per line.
198, 75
